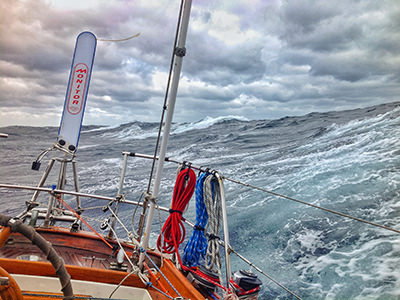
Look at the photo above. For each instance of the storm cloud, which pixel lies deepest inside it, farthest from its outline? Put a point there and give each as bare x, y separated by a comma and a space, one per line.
257, 59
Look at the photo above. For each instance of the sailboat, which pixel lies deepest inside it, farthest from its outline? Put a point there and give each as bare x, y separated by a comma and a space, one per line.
46, 254
54, 252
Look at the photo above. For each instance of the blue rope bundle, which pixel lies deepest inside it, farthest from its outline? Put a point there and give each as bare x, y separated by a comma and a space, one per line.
196, 247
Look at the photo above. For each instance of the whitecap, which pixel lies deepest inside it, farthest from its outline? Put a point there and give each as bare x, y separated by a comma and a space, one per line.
205, 123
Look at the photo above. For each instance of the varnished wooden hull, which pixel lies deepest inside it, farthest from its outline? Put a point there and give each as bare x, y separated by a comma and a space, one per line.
87, 259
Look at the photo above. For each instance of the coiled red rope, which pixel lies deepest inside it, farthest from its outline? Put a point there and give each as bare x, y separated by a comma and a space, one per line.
173, 231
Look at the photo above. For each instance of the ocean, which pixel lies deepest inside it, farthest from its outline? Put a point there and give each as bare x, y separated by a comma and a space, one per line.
348, 161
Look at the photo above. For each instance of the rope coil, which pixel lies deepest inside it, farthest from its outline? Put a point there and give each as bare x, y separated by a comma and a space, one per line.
212, 202
196, 246
173, 231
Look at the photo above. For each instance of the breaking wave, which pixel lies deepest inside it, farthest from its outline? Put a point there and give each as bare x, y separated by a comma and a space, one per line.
348, 161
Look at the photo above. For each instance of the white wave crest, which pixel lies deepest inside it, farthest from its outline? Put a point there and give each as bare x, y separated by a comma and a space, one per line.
205, 123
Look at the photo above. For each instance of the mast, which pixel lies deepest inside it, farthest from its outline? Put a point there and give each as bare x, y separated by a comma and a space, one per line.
180, 52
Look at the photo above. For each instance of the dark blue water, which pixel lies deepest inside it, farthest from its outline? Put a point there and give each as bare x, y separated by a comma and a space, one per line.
348, 161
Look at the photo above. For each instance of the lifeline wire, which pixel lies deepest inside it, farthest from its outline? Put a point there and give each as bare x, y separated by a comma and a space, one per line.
265, 274
312, 205
144, 280
135, 269
204, 175
109, 199
141, 276
281, 196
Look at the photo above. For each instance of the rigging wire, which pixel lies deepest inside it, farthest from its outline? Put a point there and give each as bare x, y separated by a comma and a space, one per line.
162, 274
135, 269
166, 95
130, 234
152, 275
120, 283
311, 205
234, 181
187, 269
90, 208
265, 274
51, 191
282, 196
140, 275
59, 199
134, 214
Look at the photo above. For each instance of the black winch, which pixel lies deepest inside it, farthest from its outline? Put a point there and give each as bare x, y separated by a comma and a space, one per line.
203, 279
245, 284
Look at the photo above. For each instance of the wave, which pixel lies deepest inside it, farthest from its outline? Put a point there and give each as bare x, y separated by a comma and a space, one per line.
206, 123
131, 131
346, 160
100, 128
144, 130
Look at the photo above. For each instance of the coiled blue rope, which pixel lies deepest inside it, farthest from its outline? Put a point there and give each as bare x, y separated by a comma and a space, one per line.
196, 246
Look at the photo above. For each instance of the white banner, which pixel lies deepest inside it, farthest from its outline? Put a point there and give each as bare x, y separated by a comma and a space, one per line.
78, 87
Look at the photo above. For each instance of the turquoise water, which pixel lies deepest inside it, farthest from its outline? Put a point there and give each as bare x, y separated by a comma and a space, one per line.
348, 161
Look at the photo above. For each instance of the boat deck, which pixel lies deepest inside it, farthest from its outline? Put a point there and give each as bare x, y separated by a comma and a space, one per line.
79, 249
87, 259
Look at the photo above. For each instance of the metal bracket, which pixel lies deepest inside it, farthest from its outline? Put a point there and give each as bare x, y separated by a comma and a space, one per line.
181, 52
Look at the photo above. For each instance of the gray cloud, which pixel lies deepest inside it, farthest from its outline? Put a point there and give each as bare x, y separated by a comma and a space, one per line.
265, 60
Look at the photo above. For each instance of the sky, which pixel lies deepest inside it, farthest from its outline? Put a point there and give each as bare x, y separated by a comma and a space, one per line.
257, 59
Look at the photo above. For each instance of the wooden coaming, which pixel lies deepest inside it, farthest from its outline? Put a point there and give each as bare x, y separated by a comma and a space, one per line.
88, 258
80, 249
